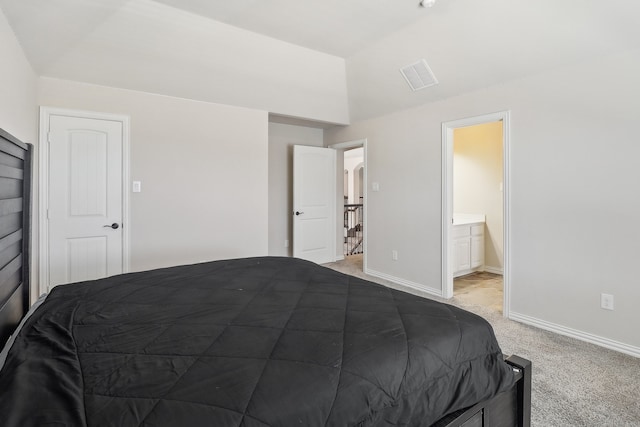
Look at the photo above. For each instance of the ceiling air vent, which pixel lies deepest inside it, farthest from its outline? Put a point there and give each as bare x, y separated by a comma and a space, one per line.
419, 75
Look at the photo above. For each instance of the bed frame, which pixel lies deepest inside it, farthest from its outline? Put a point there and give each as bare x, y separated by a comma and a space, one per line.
510, 408
15, 221
507, 409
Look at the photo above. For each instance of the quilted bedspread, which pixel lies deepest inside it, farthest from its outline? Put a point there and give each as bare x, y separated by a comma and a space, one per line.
247, 342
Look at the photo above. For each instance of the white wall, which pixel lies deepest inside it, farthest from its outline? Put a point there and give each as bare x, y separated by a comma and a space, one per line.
18, 111
574, 174
203, 169
282, 138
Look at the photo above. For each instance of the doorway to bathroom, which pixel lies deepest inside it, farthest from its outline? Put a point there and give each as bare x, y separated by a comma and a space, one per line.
475, 211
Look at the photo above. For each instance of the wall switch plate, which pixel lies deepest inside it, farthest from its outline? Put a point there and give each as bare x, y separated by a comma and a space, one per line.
375, 186
286, 243
137, 186
394, 255
606, 301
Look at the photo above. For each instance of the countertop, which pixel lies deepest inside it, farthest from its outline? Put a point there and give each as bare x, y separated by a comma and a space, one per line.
466, 219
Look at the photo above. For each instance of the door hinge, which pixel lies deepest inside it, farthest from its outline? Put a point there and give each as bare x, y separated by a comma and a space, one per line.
47, 213
49, 137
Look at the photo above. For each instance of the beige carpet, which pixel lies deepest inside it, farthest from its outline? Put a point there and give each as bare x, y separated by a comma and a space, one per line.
574, 383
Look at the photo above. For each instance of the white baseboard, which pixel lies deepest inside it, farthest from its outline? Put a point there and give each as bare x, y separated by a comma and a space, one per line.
494, 270
574, 333
406, 285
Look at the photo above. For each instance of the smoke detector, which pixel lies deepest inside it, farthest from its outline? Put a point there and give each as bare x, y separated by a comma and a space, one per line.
419, 75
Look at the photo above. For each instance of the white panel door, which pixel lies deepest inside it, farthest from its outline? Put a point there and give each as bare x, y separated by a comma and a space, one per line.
85, 199
314, 198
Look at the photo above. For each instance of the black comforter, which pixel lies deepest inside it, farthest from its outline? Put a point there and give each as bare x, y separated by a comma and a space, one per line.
248, 342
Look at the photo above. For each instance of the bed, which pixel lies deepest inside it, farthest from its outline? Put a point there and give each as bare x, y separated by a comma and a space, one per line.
267, 341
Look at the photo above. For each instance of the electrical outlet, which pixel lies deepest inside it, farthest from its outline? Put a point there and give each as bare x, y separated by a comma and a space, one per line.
394, 255
606, 301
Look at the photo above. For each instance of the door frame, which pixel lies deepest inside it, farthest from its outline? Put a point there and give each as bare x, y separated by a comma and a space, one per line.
43, 167
345, 146
447, 200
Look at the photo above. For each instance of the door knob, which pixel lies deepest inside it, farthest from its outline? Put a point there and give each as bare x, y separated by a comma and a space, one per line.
299, 213
115, 225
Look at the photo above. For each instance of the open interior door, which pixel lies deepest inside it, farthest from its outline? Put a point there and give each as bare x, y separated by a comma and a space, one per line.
314, 199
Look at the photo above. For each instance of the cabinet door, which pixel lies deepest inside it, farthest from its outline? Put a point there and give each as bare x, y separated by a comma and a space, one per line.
462, 252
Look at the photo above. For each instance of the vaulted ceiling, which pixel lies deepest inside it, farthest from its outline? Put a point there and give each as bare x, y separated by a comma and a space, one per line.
177, 47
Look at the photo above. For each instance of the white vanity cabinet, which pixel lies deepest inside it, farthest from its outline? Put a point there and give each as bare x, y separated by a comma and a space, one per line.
468, 247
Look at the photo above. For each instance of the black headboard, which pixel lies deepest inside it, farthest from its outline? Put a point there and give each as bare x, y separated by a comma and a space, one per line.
15, 221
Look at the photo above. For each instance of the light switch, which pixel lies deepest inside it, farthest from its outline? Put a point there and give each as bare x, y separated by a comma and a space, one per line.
375, 186
137, 186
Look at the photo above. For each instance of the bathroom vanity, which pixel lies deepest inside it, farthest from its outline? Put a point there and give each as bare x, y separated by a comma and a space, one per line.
468, 243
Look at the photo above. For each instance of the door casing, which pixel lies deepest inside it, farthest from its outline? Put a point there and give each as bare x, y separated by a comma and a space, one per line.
447, 200
43, 239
